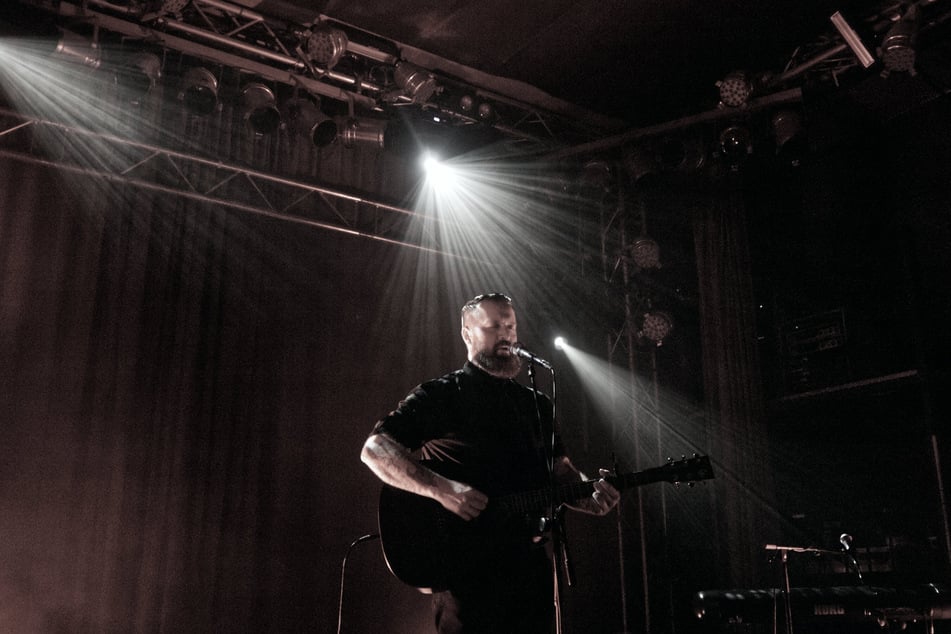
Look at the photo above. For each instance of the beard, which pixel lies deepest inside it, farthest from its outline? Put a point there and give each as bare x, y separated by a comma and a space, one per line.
507, 366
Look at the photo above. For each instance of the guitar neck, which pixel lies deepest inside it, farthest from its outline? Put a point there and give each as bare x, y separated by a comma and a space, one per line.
687, 469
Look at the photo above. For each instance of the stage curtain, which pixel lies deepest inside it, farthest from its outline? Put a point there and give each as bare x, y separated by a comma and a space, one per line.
733, 391
177, 426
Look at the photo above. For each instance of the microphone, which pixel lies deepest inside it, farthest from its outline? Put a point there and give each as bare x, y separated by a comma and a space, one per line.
519, 351
846, 540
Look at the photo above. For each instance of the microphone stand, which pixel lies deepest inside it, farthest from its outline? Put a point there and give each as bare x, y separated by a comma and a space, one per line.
560, 554
784, 557
343, 573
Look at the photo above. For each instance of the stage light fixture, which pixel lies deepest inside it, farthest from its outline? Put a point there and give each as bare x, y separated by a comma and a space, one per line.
467, 104
656, 326
852, 39
172, 6
681, 153
199, 91
597, 173
326, 45
75, 48
430, 161
789, 135
560, 343
354, 131
735, 90
260, 107
736, 144
486, 112
646, 253
415, 83
640, 162
139, 76
438, 173
303, 117
897, 49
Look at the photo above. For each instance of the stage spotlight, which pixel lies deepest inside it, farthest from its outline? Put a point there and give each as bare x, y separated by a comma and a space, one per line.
486, 112
852, 39
646, 253
640, 162
430, 162
415, 83
326, 45
656, 326
898, 46
736, 144
597, 174
305, 118
139, 76
76, 48
199, 91
735, 90
467, 104
790, 138
171, 6
354, 131
560, 343
681, 153
260, 107
437, 172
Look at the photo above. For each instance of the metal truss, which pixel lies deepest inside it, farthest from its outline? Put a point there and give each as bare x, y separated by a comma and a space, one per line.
236, 37
164, 171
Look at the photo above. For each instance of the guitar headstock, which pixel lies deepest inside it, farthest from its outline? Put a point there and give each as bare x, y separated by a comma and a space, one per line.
687, 470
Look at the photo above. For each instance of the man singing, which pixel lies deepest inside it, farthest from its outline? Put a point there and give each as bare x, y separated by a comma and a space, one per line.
494, 436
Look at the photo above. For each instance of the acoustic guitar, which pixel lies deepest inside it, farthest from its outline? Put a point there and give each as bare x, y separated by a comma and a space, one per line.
426, 546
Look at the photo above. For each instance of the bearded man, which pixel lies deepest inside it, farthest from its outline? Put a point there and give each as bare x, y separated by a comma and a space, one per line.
466, 439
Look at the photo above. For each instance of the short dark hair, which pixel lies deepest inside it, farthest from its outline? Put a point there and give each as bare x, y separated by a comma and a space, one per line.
485, 297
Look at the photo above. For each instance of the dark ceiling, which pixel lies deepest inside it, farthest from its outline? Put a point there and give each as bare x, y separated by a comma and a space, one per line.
637, 62
575, 72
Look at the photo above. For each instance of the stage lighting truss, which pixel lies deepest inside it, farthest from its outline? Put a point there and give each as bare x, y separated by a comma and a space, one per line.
324, 58
135, 162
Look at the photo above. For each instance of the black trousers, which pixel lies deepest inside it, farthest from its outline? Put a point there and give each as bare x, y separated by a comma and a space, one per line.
515, 596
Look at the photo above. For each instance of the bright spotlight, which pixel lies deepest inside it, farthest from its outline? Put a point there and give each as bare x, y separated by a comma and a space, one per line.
430, 162
560, 343
437, 172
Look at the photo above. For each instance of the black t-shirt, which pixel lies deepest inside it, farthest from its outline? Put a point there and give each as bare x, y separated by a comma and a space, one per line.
478, 429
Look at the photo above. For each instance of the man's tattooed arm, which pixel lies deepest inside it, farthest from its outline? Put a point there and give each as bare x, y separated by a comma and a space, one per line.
394, 465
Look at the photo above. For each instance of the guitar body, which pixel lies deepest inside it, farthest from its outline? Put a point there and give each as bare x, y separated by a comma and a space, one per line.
428, 547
